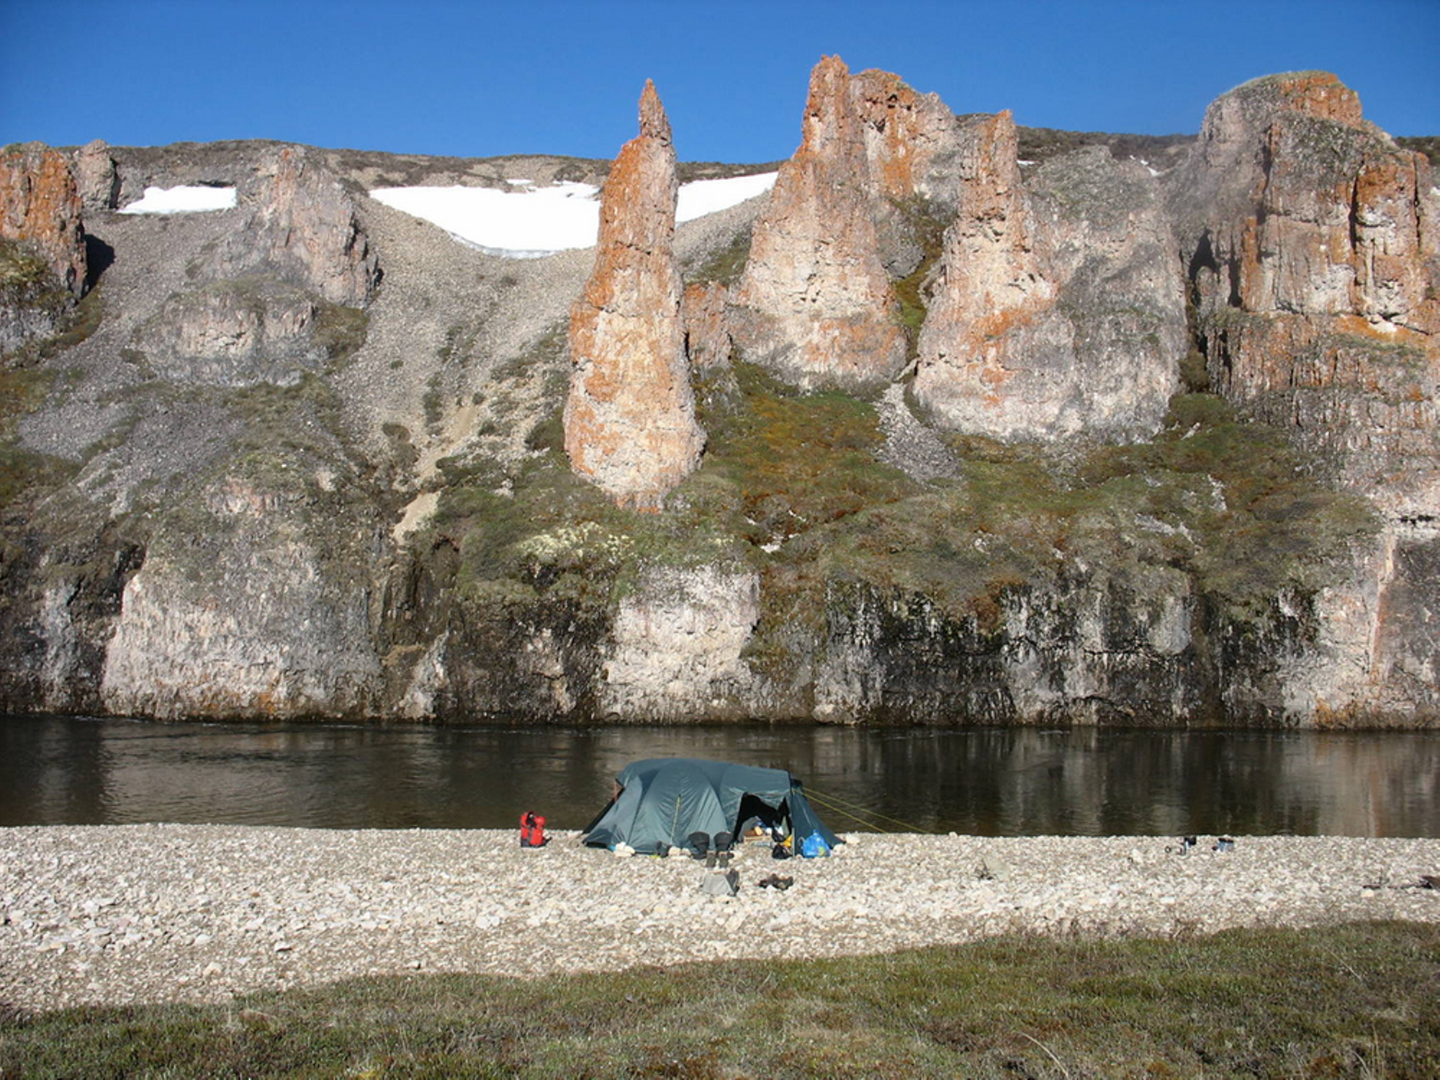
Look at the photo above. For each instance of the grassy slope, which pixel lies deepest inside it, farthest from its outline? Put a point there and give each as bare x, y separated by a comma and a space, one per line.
1342, 1001
1211, 496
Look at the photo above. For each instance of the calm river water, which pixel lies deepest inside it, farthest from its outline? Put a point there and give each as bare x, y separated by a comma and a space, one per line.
989, 782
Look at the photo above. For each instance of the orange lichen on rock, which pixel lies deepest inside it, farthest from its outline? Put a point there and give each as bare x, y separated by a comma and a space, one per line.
1319, 94
994, 281
702, 313
630, 415
1056, 309
40, 207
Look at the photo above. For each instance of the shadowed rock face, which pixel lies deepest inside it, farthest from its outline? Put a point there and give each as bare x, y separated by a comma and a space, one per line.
815, 303
1057, 311
1310, 243
40, 208
707, 336
630, 415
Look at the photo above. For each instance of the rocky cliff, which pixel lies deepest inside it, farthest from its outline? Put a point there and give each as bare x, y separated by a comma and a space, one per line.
990, 435
43, 261
1309, 242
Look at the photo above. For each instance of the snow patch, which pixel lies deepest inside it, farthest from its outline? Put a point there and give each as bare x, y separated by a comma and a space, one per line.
533, 222
523, 224
703, 197
185, 199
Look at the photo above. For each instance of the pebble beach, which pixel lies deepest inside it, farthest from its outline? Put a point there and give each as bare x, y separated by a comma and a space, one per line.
186, 913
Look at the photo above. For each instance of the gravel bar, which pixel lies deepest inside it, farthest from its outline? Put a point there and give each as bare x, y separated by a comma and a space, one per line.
200, 913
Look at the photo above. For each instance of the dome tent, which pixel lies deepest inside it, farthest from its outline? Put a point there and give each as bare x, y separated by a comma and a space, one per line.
664, 800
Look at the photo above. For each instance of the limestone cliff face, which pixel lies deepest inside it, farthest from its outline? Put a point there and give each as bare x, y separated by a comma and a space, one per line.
208, 625
914, 149
303, 228
1057, 311
202, 480
815, 303
630, 415
707, 333
295, 248
678, 644
234, 333
1310, 243
40, 208
1310, 247
912, 142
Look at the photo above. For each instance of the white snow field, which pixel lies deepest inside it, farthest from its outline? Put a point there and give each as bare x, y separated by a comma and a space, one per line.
531, 222
186, 199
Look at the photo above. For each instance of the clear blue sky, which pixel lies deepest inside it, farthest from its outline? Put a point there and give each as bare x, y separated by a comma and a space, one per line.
562, 76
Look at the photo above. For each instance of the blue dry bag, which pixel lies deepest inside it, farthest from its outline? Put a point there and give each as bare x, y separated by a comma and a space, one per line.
814, 846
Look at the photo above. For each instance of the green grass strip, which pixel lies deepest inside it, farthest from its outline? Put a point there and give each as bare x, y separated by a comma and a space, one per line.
1357, 1000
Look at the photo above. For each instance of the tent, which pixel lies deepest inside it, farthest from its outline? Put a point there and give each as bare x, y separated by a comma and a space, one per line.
664, 800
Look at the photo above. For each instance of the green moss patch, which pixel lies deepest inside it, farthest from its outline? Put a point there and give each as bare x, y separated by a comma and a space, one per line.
725, 265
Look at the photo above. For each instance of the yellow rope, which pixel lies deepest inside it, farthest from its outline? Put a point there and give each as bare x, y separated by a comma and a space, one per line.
864, 810
845, 813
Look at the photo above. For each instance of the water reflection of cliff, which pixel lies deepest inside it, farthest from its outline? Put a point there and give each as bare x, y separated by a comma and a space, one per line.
986, 782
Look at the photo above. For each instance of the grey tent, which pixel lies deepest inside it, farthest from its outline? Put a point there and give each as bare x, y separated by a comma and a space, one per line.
665, 800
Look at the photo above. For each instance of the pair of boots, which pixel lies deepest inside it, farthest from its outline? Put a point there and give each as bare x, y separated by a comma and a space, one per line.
775, 881
714, 850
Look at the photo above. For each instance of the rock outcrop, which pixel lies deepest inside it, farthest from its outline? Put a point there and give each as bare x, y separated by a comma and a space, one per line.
207, 626
707, 334
201, 482
40, 209
630, 415
1310, 243
678, 644
815, 303
303, 228
912, 141
234, 333
96, 176
1057, 311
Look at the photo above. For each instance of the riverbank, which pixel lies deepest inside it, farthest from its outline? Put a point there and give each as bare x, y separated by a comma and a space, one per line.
150, 913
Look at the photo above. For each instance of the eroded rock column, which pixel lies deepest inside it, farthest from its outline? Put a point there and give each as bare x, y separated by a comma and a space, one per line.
630, 416
1058, 311
815, 303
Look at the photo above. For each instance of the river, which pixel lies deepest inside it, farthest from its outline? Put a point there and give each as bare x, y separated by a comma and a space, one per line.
986, 782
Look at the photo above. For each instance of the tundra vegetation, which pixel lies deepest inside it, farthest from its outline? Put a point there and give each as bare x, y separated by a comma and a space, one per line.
1355, 1001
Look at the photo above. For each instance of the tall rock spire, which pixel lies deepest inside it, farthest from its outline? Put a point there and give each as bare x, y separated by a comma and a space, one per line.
1056, 311
630, 416
815, 303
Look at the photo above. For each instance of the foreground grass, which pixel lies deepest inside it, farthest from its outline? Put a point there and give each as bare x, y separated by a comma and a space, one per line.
1360, 1000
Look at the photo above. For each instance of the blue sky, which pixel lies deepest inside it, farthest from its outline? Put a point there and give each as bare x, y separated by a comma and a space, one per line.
563, 76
